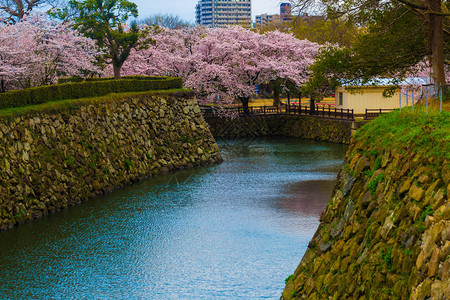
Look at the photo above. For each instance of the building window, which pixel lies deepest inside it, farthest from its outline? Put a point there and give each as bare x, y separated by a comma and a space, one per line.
341, 99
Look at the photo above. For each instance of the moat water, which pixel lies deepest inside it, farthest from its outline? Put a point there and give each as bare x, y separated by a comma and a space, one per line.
230, 231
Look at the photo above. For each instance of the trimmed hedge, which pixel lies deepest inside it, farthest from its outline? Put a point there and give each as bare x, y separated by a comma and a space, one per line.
85, 89
80, 79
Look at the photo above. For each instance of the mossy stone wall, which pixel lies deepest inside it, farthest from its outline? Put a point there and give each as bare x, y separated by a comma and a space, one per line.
386, 231
54, 157
321, 129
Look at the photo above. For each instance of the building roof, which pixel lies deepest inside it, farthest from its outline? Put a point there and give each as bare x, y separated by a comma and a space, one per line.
382, 82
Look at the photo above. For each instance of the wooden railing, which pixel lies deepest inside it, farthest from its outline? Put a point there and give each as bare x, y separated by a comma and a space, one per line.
323, 112
375, 112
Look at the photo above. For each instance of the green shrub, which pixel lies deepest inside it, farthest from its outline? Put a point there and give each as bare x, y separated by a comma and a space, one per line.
86, 89
70, 79
80, 79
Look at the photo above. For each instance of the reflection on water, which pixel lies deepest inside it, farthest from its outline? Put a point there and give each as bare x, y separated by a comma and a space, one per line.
230, 231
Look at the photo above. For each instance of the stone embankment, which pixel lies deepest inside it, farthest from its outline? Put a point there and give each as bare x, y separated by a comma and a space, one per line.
320, 129
57, 155
386, 231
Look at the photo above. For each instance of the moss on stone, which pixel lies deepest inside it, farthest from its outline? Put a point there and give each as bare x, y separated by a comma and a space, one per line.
391, 245
58, 154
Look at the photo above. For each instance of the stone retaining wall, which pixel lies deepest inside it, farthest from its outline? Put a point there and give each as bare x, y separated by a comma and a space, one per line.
385, 233
57, 155
321, 129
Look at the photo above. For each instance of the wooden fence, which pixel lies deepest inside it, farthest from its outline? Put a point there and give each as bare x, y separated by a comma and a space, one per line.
375, 112
322, 112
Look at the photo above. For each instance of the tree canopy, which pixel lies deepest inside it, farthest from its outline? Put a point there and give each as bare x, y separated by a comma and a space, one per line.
397, 37
105, 22
168, 21
318, 29
225, 64
36, 51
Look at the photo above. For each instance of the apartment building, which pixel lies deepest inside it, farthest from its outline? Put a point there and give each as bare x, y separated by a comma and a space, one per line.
285, 11
265, 19
222, 13
284, 16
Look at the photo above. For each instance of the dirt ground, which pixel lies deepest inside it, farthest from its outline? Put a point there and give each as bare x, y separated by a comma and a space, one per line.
327, 101
305, 101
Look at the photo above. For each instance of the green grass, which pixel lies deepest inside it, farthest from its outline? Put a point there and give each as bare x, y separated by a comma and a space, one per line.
425, 134
75, 104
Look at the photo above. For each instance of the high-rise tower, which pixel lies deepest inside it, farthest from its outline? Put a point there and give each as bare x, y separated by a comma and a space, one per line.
222, 13
285, 11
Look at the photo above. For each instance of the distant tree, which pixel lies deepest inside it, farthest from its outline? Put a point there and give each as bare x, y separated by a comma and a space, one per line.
105, 22
317, 29
12, 11
322, 30
167, 21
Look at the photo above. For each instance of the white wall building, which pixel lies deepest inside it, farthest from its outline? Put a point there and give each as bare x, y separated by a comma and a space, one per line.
371, 96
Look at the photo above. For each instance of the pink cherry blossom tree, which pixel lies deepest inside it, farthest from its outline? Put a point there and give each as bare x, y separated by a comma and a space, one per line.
289, 61
238, 59
174, 53
36, 51
224, 64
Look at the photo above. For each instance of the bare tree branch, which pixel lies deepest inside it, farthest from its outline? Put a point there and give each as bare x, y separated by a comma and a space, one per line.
12, 11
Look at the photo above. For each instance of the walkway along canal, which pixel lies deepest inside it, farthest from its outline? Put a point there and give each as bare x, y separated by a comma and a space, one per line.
228, 231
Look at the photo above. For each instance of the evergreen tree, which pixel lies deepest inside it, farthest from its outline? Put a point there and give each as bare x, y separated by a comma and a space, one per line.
399, 33
105, 22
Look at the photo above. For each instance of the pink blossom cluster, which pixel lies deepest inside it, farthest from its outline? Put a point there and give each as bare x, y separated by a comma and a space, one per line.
36, 51
222, 64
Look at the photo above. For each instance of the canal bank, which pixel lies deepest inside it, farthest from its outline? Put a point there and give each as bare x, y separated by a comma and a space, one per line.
224, 231
386, 231
300, 126
58, 154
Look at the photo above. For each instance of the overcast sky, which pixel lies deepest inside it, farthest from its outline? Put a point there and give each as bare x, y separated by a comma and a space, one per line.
186, 8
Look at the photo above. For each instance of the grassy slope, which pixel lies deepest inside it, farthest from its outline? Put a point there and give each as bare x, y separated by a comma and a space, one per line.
55, 106
428, 134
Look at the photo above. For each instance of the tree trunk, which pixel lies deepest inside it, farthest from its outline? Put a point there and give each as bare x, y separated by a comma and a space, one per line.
312, 106
276, 97
244, 101
117, 68
437, 42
